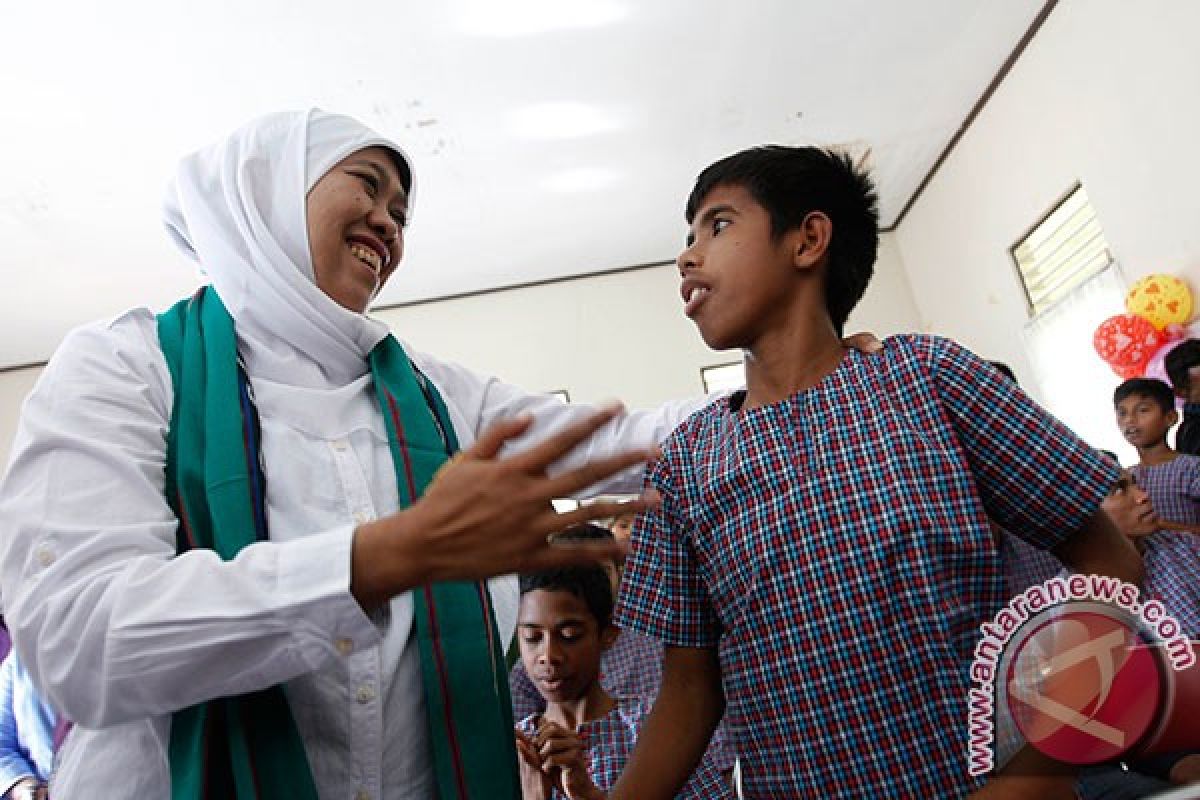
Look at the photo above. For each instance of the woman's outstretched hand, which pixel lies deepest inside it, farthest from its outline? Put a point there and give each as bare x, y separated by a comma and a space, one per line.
483, 515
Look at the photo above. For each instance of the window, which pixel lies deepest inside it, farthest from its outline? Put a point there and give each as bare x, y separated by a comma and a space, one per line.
723, 377
1061, 253
1072, 285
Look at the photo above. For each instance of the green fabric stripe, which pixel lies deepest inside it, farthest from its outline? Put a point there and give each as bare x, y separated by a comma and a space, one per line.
466, 711
209, 487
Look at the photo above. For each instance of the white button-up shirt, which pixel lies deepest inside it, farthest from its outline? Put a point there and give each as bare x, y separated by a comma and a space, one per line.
120, 632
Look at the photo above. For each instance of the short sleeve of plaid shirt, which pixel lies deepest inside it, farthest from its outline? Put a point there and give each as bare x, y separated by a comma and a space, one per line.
663, 594
1036, 478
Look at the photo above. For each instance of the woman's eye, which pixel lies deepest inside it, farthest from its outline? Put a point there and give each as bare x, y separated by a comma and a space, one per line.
370, 181
719, 225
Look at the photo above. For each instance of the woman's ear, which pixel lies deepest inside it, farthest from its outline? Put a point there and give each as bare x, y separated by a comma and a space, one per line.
810, 241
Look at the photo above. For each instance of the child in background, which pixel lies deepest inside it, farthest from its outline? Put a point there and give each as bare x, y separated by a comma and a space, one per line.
822, 557
631, 666
1145, 412
1183, 368
577, 747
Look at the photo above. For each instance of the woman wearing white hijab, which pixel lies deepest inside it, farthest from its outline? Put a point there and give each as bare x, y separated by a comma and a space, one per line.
136, 629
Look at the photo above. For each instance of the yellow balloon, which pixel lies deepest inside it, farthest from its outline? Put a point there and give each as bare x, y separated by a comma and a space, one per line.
1161, 300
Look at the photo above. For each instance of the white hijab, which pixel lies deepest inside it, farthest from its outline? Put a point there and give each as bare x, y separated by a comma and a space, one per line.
237, 208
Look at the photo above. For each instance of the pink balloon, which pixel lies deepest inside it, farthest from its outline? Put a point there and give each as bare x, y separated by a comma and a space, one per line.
1156, 367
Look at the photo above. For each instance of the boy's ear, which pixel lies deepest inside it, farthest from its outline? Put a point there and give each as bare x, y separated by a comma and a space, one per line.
810, 241
1173, 416
608, 636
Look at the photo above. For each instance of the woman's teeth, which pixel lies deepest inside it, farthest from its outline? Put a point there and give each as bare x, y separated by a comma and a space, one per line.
366, 255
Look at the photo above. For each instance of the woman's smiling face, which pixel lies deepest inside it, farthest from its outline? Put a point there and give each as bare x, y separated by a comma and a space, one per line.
356, 216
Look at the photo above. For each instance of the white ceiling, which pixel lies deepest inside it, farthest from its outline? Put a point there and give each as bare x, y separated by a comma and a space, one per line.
551, 137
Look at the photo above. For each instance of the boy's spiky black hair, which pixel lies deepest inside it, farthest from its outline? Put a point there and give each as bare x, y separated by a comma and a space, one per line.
1151, 388
792, 182
589, 583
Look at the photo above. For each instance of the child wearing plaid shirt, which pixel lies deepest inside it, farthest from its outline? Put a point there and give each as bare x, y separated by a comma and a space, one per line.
577, 747
1145, 411
822, 556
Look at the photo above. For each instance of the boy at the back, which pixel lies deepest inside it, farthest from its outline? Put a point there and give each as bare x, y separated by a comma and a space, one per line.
578, 745
822, 557
1183, 368
1145, 410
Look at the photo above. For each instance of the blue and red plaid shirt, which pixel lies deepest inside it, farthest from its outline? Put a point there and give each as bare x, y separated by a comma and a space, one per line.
610, 741
835, 548
1173, 487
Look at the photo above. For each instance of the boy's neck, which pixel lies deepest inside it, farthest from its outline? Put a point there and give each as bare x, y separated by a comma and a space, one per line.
592, 705
791, 358
1156, 454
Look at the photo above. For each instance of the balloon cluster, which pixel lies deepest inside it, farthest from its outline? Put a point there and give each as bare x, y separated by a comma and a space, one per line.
1135, 343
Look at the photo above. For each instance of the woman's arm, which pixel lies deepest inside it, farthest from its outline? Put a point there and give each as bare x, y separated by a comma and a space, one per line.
111, 624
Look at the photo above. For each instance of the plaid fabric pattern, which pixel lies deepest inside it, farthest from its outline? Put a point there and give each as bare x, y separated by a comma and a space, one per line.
835, 547
1174, 488
1172, 563
631, 668
1024, 565
610, 741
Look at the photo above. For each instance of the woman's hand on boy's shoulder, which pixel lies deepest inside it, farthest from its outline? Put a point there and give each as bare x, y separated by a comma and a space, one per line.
865, 342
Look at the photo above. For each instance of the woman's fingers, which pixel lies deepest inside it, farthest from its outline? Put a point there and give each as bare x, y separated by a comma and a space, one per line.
647, 501
863, 342
536, 459
491, 440
572, 481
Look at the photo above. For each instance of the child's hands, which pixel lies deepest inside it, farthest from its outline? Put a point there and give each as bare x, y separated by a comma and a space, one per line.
563, 754
535, 784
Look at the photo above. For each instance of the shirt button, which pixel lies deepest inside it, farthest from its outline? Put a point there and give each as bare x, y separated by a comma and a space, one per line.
344, 646
45, 557
365, 693
340, 445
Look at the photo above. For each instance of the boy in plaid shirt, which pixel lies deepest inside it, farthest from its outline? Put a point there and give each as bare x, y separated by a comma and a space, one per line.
578, 746
1145, 410
822, 557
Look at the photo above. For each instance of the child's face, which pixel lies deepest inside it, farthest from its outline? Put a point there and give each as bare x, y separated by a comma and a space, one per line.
735, 275
1142, 421
1129, 507
561, 643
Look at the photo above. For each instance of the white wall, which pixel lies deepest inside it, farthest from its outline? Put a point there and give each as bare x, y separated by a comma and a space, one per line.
1106, 94
615, 336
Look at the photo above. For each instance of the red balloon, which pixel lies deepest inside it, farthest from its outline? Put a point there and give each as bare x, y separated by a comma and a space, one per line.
1126, 342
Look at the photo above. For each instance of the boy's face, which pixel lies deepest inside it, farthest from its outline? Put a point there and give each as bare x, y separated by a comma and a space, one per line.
561, 643
1142, 421
736, 277
1129, 507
